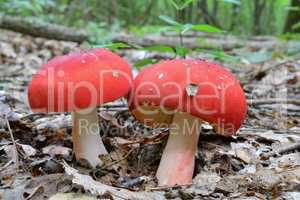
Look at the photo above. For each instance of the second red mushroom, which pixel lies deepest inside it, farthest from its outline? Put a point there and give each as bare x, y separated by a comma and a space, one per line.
181, 94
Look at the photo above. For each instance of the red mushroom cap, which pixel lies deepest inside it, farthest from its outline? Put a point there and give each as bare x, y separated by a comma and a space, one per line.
205, 90
79, 80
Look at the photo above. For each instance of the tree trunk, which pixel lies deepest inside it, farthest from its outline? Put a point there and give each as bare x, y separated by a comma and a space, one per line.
293, 17
259, 6
147, 12
209, 18
234, 16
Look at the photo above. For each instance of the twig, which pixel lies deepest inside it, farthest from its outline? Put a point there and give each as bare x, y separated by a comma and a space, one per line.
16, 156
6, 165
121, 105
281, 150
214, 145
113, 109
38, 114
181, 39
169, 187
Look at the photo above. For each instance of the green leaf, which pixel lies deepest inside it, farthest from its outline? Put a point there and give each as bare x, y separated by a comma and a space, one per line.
289, 36
237, 2
113, 46
206, 28
292, 8
257, 57
296, 26
186, 3
222, 56
186, 28
176, 6
144, 62
293, 49
182, 51
37, 8
160, 48
177, 29
182, 6
169, 20
176, 26
142, 30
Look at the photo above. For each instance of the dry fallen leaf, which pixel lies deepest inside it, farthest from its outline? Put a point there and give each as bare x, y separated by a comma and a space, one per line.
204, 183
71, 196
97, 188
54, 150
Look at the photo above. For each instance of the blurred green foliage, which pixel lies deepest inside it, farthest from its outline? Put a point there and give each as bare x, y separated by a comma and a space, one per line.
242, 17
104, 18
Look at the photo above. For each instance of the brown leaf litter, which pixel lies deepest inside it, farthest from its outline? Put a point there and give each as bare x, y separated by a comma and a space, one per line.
260, 162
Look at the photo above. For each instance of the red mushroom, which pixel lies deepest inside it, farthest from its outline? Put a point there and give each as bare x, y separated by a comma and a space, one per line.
181, 94
78, 83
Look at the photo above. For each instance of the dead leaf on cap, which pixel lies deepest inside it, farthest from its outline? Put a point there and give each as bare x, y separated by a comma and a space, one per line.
192, 89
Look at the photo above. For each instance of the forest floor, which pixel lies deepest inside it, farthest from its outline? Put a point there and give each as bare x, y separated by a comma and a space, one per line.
261, 162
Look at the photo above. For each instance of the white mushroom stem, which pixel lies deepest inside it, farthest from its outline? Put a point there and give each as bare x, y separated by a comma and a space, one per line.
87, 142
178, 159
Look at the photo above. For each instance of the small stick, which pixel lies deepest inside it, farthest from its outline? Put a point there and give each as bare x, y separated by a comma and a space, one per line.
121, 105
282, 150
114, 109
16, 156
6, 165
168, 187
39, 114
